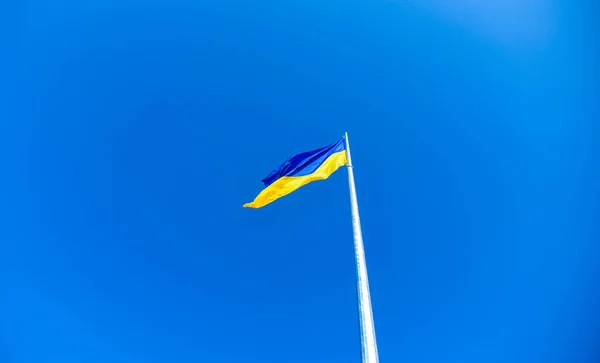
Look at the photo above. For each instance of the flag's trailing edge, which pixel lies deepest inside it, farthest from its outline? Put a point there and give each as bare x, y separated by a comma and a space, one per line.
300, 170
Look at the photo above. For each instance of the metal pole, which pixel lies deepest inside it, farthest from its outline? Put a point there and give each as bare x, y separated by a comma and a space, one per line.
367, 327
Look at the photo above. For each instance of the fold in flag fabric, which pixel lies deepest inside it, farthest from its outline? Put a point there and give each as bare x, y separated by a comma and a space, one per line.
300, 170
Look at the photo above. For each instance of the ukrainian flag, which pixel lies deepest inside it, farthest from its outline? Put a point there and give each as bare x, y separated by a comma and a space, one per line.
300, 170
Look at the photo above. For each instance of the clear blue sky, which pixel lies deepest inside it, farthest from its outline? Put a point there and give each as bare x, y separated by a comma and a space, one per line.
133, 131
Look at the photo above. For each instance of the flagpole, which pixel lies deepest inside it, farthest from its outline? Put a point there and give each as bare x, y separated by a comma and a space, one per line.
367, 327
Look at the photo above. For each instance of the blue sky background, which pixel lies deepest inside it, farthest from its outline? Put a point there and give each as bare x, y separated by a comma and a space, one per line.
133, 131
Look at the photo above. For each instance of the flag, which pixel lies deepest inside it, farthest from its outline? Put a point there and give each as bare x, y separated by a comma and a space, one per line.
300, 170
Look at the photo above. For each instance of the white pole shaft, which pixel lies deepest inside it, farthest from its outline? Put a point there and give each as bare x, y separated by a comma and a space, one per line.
367, 327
